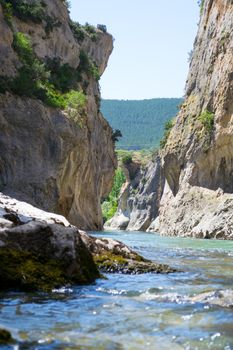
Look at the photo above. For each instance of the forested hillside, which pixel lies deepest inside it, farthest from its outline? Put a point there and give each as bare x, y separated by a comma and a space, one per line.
141, 122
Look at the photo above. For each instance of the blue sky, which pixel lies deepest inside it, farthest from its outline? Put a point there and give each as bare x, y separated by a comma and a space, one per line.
152, 41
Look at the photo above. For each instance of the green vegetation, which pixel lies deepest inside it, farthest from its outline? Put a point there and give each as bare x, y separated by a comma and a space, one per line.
51, 82
26, 11
80, 31
91, 31
25, 271
116, 134
63, 76
141, 157
207, 120
102, 27
33, 11
7, 11
29, 272
167, 129
51, 23
109, 206
201, 4
75, 102
87, 66
141, 122
32, 76
127, 159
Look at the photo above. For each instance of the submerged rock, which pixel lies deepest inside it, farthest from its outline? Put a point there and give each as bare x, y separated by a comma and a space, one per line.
222, 298
114, 256
5, 337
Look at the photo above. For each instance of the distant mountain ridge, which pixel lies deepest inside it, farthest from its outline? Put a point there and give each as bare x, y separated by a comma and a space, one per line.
140, 121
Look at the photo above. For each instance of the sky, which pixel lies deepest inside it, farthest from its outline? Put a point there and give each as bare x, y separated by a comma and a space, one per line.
152, 39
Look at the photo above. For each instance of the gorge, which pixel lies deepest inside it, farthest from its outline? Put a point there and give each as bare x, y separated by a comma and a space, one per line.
64, 288
195, 196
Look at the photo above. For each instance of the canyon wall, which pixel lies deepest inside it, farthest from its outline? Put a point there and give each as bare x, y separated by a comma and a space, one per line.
140, 197
194, 171
198, 156
54, 158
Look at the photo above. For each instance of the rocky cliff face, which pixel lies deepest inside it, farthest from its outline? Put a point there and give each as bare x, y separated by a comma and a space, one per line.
49, 157
198, 157
140, 198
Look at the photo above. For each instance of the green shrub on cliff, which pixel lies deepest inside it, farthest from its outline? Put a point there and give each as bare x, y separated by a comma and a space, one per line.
26, 11
207, 120
62, 76
23, 47
32, 75
80, 31
87, 66
76, 100
109, 206
201, 4
75, 103
77, 31
50, 82
7, 11
91, 31
167, 129
127, 159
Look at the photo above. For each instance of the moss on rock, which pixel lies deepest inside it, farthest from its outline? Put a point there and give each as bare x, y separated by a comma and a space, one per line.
109, 262
25, 271
40, 256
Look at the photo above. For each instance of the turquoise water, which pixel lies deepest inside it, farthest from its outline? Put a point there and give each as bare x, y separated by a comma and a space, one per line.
133, 312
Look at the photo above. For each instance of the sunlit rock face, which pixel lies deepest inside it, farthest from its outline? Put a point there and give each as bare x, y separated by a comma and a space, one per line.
140, 197
198, 157
46, 158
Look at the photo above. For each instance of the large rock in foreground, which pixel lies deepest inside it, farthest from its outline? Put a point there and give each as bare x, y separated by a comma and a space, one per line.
43, 256
42, 251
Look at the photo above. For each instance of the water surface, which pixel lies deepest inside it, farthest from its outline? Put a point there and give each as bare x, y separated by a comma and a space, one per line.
147, 311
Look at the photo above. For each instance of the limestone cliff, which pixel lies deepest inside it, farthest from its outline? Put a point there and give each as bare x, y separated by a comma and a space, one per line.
54, 158
198, 157
140, 197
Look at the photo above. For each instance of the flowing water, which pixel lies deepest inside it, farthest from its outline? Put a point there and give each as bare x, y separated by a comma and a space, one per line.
147, 311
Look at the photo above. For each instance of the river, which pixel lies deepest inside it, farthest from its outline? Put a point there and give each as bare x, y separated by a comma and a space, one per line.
133, 312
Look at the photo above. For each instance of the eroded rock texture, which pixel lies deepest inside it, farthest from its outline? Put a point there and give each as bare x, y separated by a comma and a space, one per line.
46, 158
198, 158
140, 198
